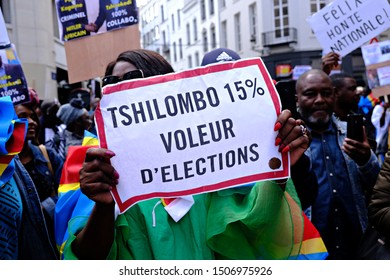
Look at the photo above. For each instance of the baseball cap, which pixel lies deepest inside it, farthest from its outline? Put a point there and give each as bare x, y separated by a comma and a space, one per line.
219, 55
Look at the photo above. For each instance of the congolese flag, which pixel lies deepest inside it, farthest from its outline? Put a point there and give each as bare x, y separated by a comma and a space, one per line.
12, 134
367, 103
71, 202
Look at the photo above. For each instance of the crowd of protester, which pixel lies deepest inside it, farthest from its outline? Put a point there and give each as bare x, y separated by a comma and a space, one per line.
334, 180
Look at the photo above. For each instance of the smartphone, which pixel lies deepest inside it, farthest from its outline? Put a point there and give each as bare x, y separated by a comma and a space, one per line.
287, 95
355, 127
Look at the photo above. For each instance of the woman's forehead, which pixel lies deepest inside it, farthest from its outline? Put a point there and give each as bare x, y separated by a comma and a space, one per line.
122, 67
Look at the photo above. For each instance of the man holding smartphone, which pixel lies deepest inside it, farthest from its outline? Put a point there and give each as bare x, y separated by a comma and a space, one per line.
346, 169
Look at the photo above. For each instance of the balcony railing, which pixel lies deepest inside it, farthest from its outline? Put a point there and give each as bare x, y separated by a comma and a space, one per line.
280, 37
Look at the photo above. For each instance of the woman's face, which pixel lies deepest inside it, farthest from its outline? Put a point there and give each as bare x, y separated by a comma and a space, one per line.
122, 67
33, 122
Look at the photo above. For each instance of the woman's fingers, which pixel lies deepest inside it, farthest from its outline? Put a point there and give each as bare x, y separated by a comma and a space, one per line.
98, 176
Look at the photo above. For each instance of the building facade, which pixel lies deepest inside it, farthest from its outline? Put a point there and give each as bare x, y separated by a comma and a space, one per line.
276, 30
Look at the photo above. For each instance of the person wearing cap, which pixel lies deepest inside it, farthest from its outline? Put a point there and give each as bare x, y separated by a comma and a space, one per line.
219, 55
306, 186
76, 119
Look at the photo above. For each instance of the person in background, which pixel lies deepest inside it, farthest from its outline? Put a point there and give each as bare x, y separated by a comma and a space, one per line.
346, 169
52, 129
366, 106
379, 207
306, 186
76, 119
24, 234
219, 55
42, 164
380, 118
330, 61
347, 97
35, 101
132, 235
91, 112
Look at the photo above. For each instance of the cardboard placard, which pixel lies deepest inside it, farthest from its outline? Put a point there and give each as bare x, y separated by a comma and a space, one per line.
88, 57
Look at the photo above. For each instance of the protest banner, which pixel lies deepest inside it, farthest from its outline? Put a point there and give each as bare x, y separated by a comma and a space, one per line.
80, 18
12, 80
376, 57
4, 39
194, 131
344, 25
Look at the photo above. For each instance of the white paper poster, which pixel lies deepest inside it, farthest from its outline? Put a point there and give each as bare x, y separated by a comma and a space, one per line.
344, 25
191, 132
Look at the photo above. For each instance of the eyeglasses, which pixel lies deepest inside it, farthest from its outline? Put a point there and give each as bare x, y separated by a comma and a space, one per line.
135, 74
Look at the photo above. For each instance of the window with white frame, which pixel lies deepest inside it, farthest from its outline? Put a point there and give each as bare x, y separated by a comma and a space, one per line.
162, 13
56, 31
5, 6
195, 30
164, 38
253, 23
213, 37
281, 21
205, 40
211, 6
222, 3
174, 52
237, 29
180, 49
197, 62
203, 9
316, 5
173, 22
188, 31
224, 34
178, 18
189, 58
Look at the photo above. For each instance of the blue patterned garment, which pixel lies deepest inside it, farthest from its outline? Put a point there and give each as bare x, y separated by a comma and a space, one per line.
11, 209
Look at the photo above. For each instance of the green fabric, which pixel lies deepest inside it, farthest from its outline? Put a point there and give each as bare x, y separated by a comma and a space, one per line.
137, 238
258, 225
237, 223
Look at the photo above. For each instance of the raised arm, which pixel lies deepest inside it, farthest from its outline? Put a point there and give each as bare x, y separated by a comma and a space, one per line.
97, 178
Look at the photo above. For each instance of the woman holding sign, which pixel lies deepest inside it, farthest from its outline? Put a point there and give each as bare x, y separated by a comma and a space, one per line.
262, 220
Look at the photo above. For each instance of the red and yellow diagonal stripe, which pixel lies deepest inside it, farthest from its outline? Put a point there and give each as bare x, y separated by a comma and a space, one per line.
71, 202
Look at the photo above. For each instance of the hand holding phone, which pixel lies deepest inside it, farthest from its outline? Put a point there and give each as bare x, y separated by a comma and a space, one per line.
355, 127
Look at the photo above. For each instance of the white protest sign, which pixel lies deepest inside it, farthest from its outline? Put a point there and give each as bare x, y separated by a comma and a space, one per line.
192, 132
344, 25
376, 52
